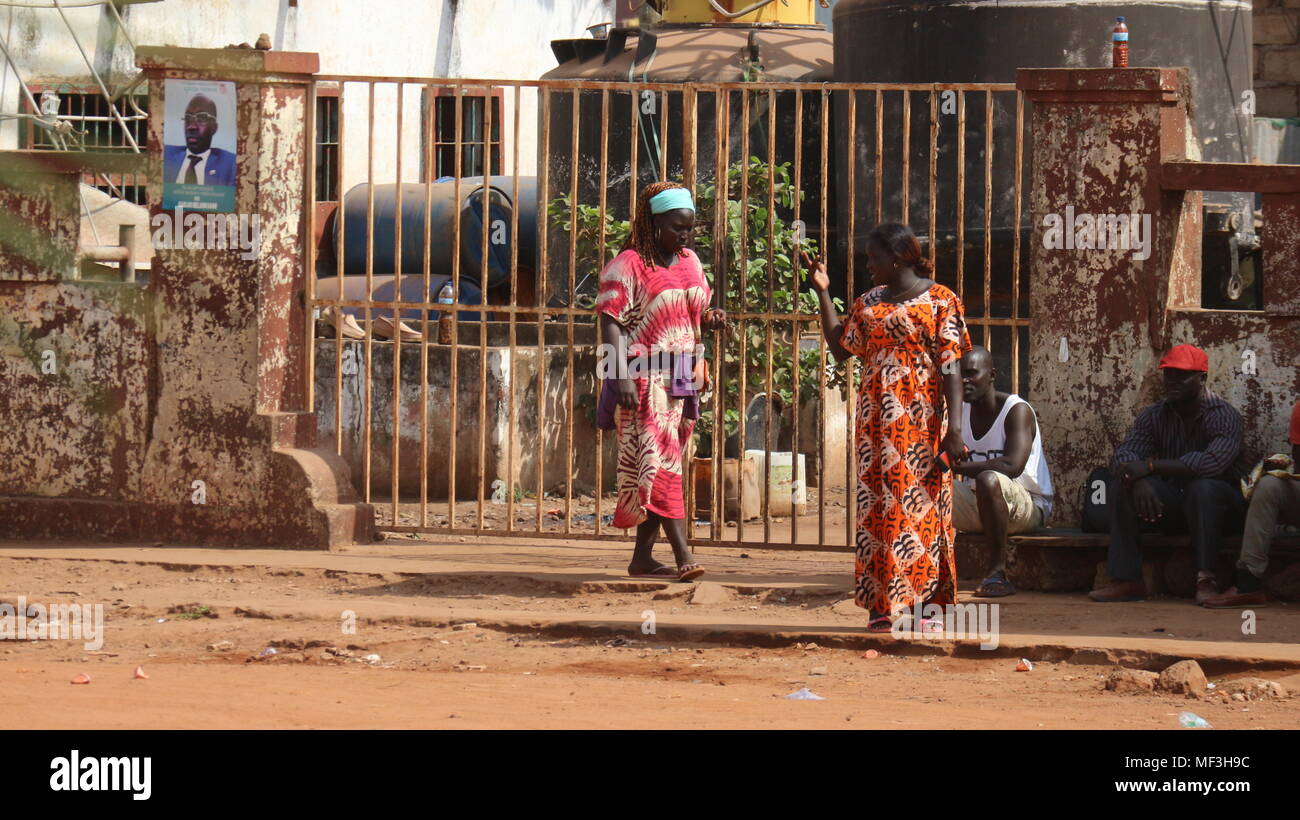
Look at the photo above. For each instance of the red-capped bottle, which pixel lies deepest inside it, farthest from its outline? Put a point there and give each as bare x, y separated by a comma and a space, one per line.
1119, 44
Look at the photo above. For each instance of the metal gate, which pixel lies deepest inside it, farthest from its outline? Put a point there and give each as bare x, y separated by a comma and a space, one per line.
517, 193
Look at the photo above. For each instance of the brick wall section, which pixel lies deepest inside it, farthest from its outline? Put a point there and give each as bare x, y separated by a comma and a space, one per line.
1277, 57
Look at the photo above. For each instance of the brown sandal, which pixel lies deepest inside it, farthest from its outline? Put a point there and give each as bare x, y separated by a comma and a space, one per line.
689, 572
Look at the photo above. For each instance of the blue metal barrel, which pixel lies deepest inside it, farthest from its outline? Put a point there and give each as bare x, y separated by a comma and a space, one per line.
440, 196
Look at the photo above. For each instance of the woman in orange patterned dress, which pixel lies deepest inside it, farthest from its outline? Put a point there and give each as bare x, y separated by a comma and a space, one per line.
910, 333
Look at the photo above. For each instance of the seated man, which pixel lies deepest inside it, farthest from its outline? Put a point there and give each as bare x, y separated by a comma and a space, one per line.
1274, 500
1178, 470
1004, 485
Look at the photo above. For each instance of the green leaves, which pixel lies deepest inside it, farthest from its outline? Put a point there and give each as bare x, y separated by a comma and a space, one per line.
745, 246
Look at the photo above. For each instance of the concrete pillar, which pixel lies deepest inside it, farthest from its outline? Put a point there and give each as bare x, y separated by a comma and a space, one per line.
232, 408
1099, 138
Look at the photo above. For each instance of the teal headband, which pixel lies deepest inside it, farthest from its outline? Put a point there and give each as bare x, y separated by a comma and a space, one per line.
671, 200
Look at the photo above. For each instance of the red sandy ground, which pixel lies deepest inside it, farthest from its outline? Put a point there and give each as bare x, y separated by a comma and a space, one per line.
424, 677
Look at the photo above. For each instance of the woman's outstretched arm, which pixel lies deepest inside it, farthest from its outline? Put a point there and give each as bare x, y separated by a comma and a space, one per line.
831, 327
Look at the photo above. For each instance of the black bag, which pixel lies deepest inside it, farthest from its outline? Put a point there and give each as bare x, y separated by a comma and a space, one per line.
1096, 516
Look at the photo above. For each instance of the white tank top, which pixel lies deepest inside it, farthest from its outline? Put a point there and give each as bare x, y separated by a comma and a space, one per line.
1036, 478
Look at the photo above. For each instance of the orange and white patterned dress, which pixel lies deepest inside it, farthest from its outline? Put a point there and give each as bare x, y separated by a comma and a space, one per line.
904, 530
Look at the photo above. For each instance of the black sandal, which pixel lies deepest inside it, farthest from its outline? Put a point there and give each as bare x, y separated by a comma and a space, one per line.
995, 586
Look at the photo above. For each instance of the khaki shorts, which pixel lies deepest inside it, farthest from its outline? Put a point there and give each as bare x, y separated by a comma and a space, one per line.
1023, 515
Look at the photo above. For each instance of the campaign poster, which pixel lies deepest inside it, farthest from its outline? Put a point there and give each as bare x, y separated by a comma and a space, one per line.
199, 156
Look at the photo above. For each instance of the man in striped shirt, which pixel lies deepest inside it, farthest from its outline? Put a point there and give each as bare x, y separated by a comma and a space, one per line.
1178, 470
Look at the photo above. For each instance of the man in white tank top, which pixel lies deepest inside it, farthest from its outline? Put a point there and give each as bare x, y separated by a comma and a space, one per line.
1003, 486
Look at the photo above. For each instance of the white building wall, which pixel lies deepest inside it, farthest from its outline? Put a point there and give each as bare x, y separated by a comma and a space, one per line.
488, 39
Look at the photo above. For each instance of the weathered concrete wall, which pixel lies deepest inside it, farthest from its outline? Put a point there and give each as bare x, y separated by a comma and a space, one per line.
198, 378
1099, 137
76, 364
495, 463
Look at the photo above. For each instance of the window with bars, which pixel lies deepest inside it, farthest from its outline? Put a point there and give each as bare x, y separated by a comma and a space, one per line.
327, 146
94, 128
473, 123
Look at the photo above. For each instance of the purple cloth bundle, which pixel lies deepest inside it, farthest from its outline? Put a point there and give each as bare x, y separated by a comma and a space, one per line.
682, 386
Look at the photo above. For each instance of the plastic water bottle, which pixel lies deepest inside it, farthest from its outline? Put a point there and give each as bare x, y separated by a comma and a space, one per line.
1119, 44
1191, 720
445, 297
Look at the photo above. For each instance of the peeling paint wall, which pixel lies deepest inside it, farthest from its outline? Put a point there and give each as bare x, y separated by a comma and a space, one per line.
1099, 137
178, 410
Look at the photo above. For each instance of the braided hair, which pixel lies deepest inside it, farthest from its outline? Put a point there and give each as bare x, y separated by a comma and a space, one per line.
900, 243
642, 236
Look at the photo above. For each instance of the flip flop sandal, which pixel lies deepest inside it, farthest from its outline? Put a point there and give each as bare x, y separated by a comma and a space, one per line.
879, 625
995, 586
659, 573
689, 572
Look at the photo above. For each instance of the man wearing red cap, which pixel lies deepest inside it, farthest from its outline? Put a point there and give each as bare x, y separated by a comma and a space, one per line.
1178, 470
1274, 499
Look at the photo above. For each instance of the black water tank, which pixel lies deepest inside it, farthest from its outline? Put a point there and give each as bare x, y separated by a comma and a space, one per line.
950, 41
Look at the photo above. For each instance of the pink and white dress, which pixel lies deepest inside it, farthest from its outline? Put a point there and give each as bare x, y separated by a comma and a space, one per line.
660, 310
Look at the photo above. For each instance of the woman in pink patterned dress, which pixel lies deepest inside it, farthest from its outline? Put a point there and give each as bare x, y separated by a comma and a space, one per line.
653, 302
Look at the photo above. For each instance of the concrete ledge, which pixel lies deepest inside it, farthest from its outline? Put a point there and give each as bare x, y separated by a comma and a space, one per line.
13, 163
1068, 560
227, 60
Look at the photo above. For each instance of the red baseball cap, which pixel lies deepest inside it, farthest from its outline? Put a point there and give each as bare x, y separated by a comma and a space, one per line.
1186, 357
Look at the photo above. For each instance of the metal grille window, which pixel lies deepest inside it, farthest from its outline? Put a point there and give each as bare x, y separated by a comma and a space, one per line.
88, 113
93, 128
472, 125
327, 147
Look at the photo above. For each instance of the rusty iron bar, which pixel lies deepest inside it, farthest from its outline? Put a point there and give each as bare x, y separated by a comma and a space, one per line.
603, 193
961, 196
988, 216
559, 536
821, 339
905, 199
429, 159
880, 156
796, 327
633, 96
370, 280
572, 299
663, 136
742, 393
689, 147
934, 171
597, 85
513, 409
540, 277
850, 432
488, 233
551, 311
1015, 244
338, 282
394, 484
309, 234
557, 311
721, 197
769, 424
458, 92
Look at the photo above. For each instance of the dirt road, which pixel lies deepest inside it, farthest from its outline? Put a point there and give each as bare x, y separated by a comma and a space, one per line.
431, 673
